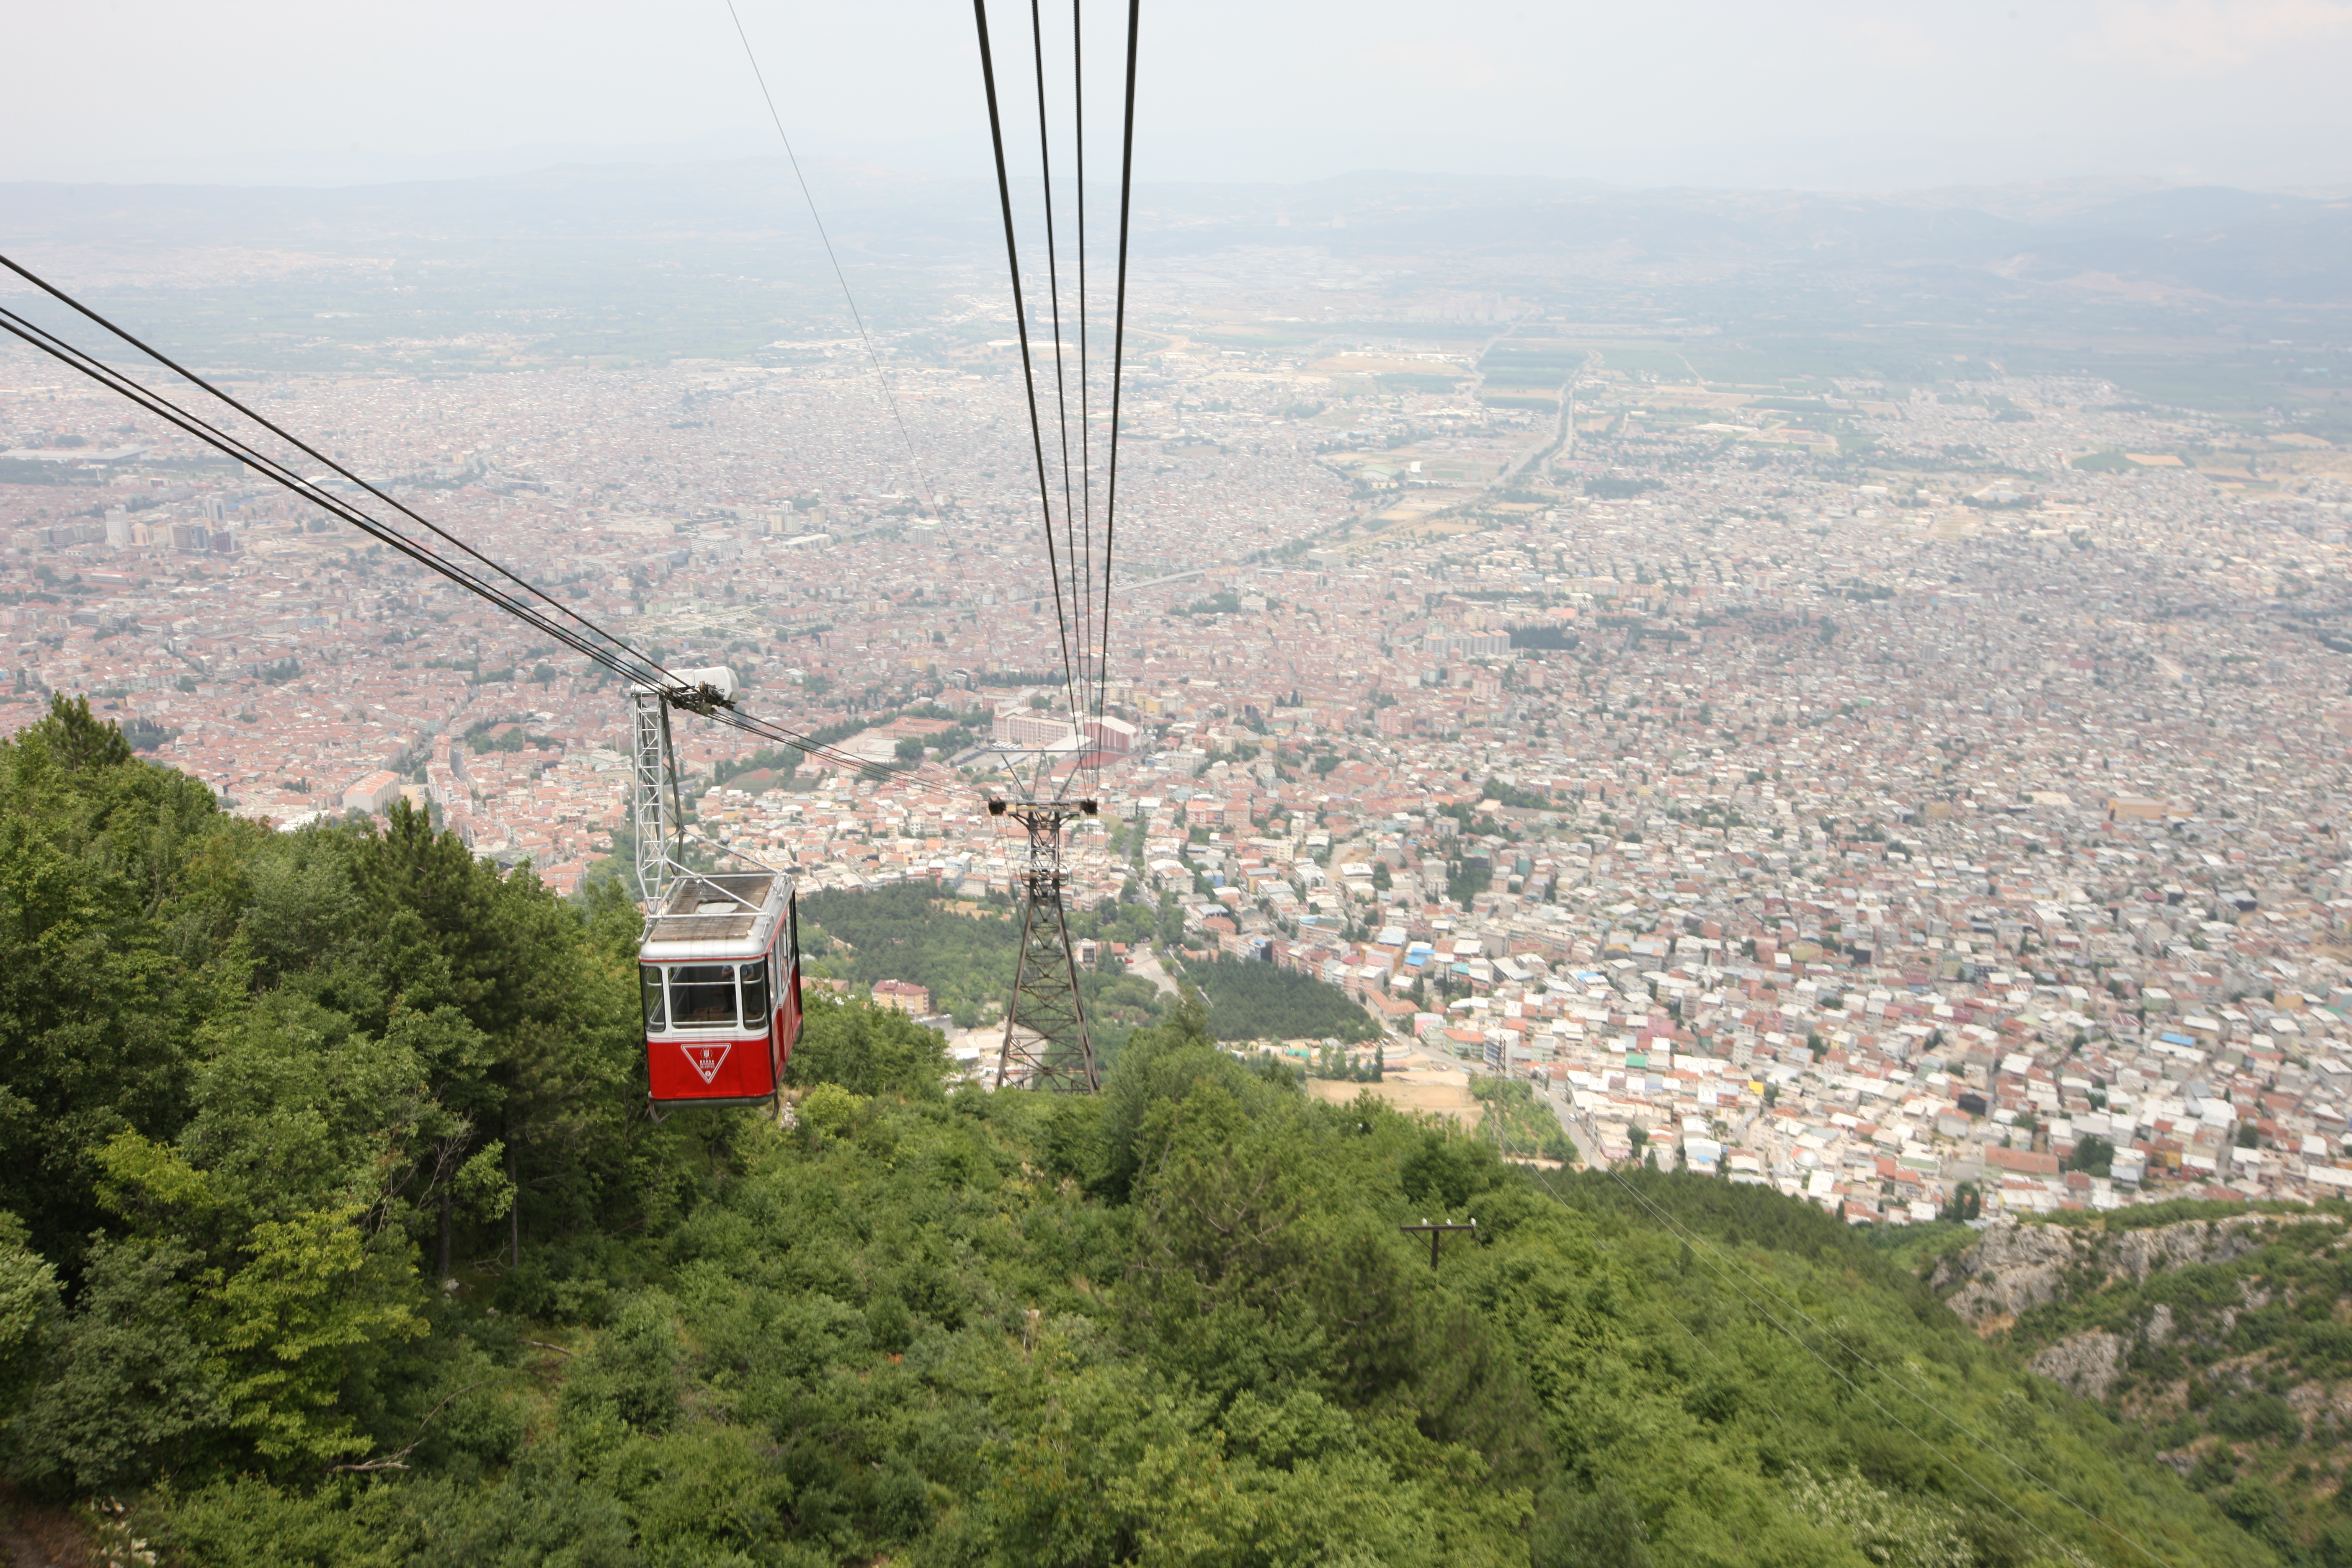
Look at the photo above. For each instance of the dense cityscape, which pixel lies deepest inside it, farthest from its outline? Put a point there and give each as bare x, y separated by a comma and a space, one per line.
1920, 797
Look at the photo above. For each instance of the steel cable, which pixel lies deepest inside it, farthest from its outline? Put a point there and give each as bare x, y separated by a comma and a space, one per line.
295, 442
1118, 351
889, 390
1070, 540
1021, 319
162, 407
573, 631
1085, 430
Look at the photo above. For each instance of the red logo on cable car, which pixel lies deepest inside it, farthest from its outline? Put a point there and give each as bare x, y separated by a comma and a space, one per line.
705, 1057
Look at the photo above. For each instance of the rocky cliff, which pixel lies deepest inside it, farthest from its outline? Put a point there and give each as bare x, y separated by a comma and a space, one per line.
2014, 1267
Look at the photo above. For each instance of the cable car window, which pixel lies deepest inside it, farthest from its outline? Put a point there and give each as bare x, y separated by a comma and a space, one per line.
755, 995
703, 995
651, 974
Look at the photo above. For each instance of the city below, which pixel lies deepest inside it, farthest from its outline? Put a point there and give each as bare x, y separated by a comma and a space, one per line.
1924, 797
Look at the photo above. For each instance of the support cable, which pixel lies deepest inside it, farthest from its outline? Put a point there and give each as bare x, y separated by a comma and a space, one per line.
1118, 345
1085, 430
1021, 319
1080, 586
601, 648
291, 440
1543, 1178
614, 656
890, 389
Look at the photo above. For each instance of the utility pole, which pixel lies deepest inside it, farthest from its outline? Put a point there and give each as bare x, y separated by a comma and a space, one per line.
1046, 1045
1437, 1232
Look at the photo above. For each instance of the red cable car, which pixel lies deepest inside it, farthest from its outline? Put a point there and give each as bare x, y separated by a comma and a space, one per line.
720, 969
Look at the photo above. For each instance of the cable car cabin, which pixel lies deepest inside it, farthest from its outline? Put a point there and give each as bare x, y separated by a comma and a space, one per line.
720, 972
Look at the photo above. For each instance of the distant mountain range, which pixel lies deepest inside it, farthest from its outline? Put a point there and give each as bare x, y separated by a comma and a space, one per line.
2212, 241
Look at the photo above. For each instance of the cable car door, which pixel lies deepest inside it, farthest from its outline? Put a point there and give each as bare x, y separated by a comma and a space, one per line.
787, 956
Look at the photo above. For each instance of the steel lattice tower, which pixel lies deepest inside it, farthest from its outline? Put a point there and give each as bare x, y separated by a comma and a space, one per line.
1045, 1041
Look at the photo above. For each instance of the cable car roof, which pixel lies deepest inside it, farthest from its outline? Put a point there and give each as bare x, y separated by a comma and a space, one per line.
716, 916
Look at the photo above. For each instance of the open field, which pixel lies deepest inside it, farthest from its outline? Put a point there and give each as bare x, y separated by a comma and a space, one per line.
1666, 363
1423, 1087
1390, 364
1412, 523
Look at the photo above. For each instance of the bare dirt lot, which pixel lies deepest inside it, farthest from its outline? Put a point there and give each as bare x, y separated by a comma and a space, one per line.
1422, 1089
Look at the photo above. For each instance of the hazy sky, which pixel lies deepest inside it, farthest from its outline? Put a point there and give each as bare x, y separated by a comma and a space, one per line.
1815, 92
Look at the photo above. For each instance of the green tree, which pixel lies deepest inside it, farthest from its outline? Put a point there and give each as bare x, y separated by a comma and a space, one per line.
1576, 1528
29, 1313
867, 1051
95, 853
2092, 1154
133, 1389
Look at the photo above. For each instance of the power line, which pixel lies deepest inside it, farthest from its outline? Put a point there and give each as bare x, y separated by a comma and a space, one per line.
889, 391
1086, 429
289, 438
1778, 1413
1057, 1050
1544, 1178
155, 403
1082, 619
1699, 1242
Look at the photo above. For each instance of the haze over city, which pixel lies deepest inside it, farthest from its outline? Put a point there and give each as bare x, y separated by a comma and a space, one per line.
1825, 93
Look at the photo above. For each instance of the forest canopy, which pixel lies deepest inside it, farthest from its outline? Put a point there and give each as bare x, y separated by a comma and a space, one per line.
1250, 1001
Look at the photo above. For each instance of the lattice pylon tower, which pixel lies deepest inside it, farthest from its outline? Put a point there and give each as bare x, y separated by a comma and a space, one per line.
1046, 1045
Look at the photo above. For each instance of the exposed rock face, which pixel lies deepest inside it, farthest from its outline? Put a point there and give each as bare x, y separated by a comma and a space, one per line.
2086, 1362
2136, 1253
2011, 1269
2015, 1267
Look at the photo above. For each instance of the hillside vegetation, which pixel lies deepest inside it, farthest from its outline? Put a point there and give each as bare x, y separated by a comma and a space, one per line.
2222, 1330
339, 1234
